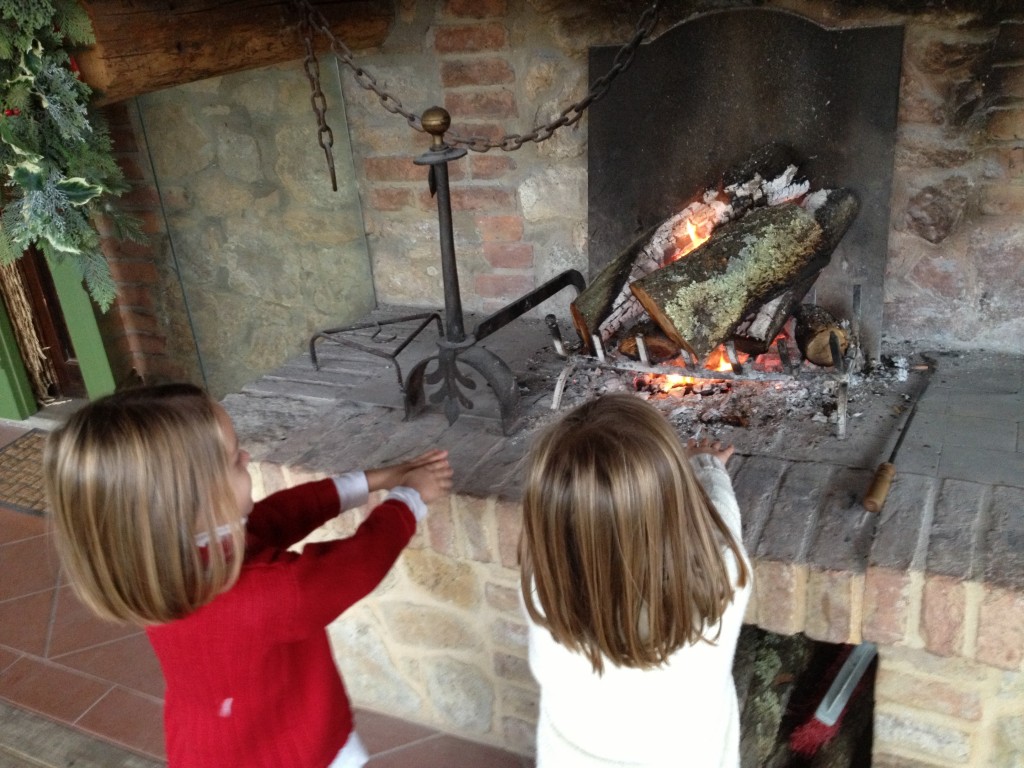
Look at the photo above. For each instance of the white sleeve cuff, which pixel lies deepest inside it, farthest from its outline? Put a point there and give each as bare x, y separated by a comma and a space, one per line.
353, 489
411, 498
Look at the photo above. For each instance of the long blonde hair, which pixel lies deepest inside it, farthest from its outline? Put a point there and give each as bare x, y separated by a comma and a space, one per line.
132, 479
621, 546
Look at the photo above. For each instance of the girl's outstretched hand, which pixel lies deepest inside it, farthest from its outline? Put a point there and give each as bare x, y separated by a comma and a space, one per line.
707, 445
385, 478
431, 477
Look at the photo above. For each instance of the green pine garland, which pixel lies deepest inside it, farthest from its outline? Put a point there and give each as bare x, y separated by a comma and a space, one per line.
56, 164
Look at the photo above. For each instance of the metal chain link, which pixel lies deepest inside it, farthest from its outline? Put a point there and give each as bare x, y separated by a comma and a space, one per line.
510, 142
325, 136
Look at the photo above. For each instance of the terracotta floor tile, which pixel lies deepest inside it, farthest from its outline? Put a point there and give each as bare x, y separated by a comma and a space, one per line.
381, 732
130, 719
28, 566
50, 690
129, 662
448, 752
77, 628
15, 526
7, 657
24, 622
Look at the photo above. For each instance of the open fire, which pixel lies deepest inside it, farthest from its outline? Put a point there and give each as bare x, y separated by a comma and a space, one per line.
717, 289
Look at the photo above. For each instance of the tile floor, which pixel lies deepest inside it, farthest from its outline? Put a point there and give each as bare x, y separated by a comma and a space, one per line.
59, 661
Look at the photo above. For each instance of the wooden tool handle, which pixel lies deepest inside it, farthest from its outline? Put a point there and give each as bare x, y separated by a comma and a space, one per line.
879, 488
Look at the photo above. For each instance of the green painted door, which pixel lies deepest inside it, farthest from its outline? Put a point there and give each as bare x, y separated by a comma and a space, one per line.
16, 398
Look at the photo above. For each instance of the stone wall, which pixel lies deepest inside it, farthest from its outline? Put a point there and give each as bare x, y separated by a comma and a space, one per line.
442, 641
505, 66
248, 242
251, 241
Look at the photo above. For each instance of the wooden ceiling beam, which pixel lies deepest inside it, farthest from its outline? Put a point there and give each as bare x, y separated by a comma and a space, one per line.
144, 45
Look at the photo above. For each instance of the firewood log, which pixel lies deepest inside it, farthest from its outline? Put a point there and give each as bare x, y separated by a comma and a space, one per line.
814, 327
700, 300
594, 302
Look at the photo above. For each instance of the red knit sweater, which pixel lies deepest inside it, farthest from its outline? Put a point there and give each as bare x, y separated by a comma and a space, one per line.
250, 676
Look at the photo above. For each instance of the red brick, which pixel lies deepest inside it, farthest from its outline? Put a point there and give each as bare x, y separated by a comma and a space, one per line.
147, 344
1002, 199
1001, 629
139, 197
500, 229
123, 138
475, 129
131, 168
1006, 124
887, 600
483, 199
490, 166
133, 271
509, 255
829, 596
930, 695
391, 198
135, 296
116, 114
128, 249
485, 104
136, 321
151, 222
394, 169
476, 9
503, 286
781, 596
470, 38
943, 605
492, 71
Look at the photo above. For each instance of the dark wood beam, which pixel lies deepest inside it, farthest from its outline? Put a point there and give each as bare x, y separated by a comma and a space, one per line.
145, 45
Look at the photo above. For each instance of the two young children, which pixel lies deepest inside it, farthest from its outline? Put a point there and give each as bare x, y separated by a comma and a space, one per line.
634, 579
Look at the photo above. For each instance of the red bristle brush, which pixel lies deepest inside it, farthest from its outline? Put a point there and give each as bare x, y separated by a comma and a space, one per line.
808, 738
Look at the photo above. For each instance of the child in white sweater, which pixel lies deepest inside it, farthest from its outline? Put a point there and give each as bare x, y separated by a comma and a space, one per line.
636, 582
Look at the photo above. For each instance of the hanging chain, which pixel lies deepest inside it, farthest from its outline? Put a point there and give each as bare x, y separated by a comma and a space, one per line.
313, 19
325, 136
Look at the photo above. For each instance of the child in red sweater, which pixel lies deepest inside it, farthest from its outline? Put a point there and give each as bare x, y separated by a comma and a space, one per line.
155, 522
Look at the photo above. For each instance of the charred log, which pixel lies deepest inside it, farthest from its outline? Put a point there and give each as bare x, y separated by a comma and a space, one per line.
814, 328
700, 300
659, 348
595, 302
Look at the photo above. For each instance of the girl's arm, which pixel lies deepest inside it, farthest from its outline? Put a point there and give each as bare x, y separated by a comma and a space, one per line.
288, 516
708, 459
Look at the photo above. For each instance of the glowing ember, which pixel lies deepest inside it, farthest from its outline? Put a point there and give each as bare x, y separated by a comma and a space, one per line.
719, 360
688, 236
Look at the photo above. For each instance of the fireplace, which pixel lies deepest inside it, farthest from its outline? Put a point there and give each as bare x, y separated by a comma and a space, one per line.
710, 92
443, 640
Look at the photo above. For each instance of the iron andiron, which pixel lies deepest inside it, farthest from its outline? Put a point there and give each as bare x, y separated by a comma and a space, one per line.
456, 346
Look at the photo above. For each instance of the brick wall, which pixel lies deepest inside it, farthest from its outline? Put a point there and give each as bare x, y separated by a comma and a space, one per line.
143, 340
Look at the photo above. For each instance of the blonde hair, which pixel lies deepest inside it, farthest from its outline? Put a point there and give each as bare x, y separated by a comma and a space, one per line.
621, 546
132, 479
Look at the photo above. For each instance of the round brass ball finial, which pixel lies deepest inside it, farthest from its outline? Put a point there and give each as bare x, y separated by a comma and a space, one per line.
436, 121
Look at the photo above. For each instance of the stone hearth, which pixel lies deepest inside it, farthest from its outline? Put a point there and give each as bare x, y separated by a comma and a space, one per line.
936, 579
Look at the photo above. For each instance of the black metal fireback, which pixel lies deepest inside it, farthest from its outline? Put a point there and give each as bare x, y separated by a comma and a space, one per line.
456, 347
709, 92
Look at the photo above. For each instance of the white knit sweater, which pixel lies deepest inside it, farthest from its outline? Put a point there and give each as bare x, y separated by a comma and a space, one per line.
681, 714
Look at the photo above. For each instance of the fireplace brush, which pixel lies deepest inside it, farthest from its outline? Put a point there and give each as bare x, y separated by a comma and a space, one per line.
878, 491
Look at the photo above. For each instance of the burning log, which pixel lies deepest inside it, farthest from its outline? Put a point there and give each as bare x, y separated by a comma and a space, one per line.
700, 300
759, 329
814, 328
595, 302
606, 305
